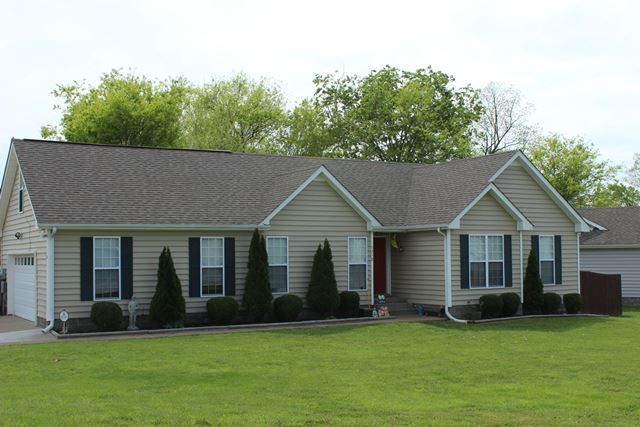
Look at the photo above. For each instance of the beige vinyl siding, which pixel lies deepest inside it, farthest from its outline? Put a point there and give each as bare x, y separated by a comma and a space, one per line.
625, 262
318, 212
31, 241
417, 272
547, 219
147, 246
487, 217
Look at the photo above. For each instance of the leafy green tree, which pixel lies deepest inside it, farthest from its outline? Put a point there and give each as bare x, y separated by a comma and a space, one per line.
393, 115
122, 109
322, 294
257, 289
533, 289
573, 167
306, 133
167, 304
238, 114
633, 174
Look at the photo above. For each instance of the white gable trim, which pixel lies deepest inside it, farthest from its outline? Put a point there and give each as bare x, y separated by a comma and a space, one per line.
580, 224
11, 170
335, 184
594, 225
522, 221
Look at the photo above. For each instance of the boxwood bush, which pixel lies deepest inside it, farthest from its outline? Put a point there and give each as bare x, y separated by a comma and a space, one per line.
287, 308
349, 304
491, 306
222, 310
572, 303
107, 316
552, 303
510, 304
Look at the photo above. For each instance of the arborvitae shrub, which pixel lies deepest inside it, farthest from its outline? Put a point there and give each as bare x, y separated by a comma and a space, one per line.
287, 308
533, 290
552, 303
167, 304
349, 304
490, 306
257, 289
107, 316
322, 295
510, 304
222, 310
572, 303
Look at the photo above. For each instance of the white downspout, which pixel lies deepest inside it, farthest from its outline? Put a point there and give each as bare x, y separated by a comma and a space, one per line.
447, 276
51, 318
578, 247
521, 273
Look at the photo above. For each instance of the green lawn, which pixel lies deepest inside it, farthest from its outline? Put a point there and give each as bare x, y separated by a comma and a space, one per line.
536, 372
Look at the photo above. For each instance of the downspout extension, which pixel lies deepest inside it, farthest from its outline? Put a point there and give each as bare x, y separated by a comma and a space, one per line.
447, 276
50, 281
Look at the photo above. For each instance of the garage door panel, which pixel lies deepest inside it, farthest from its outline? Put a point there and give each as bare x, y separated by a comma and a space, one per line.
24, 286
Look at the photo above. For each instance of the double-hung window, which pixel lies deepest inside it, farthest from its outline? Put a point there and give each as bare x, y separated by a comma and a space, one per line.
278, 252
357, 259
486, 261
212, 266
547, 260
106, 268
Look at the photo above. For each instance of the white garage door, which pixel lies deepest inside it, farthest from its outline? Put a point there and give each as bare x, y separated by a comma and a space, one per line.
24, 287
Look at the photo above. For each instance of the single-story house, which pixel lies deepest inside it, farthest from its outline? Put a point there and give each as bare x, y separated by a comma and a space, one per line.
613, 247
84, 223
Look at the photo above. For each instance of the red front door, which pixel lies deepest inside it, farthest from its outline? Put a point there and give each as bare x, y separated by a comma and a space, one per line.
380, 265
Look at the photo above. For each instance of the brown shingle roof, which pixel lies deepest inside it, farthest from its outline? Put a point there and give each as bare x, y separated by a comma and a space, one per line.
72, 183
622, 224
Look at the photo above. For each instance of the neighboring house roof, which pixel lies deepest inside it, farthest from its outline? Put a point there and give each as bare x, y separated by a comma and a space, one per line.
621, 227
89, 184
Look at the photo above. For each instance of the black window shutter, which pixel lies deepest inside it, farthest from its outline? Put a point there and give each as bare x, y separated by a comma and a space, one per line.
194, 267
126, 265
508, 262
464, 261
535, 247
229, 266
86, 269
558, 252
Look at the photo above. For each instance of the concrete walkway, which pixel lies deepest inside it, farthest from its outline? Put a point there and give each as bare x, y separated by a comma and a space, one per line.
14, 330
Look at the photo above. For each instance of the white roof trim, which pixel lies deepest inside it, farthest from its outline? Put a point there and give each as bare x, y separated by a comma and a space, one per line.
578, 220
594, 225
164, 227
406, 228
11, 169
337, 186
521, 220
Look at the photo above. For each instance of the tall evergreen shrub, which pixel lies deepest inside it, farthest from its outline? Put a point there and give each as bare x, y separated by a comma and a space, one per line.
167, 304
533, 290
257, 289
322, 295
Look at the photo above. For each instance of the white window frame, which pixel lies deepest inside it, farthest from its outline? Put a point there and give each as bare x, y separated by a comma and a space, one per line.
553, 257
486, 261
20, 194
108, 268
286, 238
203, 295
366, 263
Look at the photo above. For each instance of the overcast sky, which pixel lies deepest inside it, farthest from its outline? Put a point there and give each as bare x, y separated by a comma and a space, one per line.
578, 62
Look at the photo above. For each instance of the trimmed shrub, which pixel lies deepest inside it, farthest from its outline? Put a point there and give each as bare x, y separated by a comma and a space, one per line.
107, 316
510, 304
572, 303
222, 310
533, 290
167, 304
322, 294
491, 306
349, 304
287, 308
257, 289
552, 303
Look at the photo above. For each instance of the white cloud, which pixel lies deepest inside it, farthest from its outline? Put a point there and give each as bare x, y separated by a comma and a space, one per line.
576, 61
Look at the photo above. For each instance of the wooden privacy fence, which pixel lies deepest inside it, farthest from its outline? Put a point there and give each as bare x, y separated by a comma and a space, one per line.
601, 293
